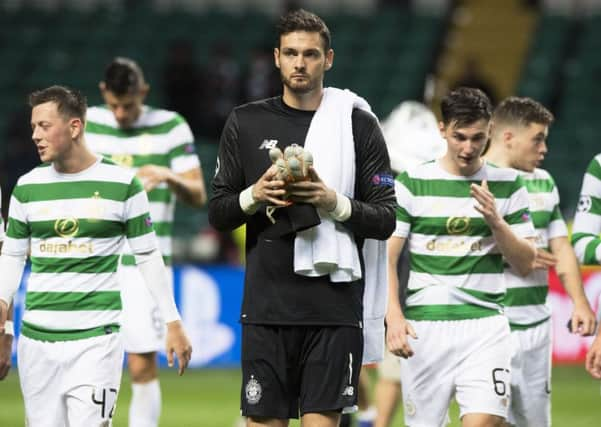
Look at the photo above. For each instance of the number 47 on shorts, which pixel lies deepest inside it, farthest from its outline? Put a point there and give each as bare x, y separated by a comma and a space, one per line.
106, 399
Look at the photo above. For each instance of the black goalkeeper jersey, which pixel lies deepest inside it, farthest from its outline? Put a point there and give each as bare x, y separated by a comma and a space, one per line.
273, 293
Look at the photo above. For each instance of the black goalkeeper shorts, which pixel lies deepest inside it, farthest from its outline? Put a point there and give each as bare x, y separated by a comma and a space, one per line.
292, 369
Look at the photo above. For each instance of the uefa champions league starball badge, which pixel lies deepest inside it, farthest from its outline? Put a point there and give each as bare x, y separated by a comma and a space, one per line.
253, 390
584, 204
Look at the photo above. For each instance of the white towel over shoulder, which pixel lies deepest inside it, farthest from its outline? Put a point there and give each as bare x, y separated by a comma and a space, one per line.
329, 248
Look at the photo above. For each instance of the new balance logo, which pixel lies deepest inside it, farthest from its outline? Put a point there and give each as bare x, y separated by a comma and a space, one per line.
348, 391
268, 144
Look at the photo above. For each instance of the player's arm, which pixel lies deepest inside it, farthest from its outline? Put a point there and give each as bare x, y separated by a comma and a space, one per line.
189, 186
593, 358
11, 270
397, 327
372, 212
184, 174
233, 200
6, 339
587, 221
14, 253
155, 275
519, 252
6, 344
143, 243
225, 207
568, 271
567, 268
15, 248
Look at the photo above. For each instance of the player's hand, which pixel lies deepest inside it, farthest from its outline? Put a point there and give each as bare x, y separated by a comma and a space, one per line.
153, 175
3, 315
6, 345
269, 189
593, 359
486, 203
397, 331
544, 260
583, 320
6, 342
178, 343
314, 192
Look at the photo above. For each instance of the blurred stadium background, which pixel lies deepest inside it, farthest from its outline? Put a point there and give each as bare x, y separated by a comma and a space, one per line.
202, 57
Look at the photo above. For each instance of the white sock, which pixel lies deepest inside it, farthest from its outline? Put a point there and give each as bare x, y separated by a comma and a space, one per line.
145, 406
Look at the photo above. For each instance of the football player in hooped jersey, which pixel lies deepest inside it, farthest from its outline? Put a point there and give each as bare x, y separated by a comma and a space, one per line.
158, 146
462, 218
518, 140
587, 242
73, 214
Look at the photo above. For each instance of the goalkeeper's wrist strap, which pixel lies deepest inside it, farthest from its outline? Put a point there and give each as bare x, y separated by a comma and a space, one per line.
9, 328
247, 201
343, 208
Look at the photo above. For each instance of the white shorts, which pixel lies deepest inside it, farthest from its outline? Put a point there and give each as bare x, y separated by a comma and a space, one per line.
70, 383
531, 377
468, 359
390, 367
142, 325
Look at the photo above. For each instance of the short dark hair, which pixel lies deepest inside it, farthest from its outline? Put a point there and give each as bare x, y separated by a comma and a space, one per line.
123, 76
465, 106
522, 111
70, 103
302, 20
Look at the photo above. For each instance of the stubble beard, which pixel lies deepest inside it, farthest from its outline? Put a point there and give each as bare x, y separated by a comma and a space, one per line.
299, 89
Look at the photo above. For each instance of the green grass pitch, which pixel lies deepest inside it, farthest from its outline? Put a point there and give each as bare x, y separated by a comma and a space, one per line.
209, 398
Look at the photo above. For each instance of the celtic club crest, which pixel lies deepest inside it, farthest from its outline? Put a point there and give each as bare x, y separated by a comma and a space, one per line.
253, 390
66, 227
458, 225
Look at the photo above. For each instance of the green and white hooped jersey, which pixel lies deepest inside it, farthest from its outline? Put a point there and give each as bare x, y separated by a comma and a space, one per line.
158, 137
525, 301
75, 226
456, 266
587, 222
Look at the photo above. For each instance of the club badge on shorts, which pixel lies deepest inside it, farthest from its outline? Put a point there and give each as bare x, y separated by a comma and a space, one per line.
253, 390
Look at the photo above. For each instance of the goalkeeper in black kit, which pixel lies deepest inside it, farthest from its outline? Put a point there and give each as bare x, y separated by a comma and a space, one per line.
311, 209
